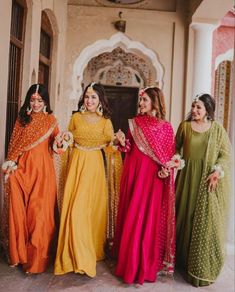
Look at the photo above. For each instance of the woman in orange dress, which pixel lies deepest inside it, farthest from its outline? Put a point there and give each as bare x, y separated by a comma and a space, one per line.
30, 184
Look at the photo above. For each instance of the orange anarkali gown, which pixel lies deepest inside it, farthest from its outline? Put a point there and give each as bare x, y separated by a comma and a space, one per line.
30, 194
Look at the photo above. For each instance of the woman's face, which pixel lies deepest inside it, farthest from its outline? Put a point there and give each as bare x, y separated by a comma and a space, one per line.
145, 104
91, 100
198, 111
36, 103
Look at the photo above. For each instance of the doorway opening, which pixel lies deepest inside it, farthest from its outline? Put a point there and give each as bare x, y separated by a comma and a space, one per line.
123, 102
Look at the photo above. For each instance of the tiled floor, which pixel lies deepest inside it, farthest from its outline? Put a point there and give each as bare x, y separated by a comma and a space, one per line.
12, 279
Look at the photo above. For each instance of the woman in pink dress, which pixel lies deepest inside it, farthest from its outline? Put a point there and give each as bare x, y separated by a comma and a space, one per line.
145, 233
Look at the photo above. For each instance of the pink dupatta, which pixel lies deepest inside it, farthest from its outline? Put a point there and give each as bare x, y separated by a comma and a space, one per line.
156, 139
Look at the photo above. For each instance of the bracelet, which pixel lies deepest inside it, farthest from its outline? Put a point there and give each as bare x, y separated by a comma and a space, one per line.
218, 168
161, 175
64, 142
9, 164
176, 162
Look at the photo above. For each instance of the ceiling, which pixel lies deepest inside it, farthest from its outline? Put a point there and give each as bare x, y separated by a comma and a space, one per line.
159, 5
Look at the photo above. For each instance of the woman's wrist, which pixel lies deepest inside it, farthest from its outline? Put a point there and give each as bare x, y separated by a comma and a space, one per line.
176, 162
126, 147
163, 172
217, 168
9, 166
62, 142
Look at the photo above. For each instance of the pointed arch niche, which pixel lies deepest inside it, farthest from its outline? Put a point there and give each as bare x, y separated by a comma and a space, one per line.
111, 56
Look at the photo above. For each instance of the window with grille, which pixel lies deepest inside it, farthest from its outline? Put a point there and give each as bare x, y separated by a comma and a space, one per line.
45, 52
18, 17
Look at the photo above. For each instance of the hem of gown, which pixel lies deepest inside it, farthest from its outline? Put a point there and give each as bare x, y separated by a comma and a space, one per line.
32, 270
76, 271
196, 282
193, 280
30, 267
136, 280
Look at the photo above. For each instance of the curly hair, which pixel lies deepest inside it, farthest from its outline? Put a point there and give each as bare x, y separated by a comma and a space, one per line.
99, 89
42, 91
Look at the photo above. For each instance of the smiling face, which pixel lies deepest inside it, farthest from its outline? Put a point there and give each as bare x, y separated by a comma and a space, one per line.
145, 104
198, 111
91, 100
36, 103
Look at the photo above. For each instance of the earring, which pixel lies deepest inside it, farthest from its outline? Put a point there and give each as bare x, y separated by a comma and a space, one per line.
154, 112
82, 108
28, 111
99, 110
206, 118
45, 110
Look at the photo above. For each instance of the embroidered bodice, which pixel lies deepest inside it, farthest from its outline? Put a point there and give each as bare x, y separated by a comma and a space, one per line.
90, 130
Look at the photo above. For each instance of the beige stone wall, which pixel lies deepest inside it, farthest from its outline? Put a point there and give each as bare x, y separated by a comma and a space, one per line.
161, 32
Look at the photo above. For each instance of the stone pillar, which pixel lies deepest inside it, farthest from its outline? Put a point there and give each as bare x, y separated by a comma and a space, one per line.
203, 33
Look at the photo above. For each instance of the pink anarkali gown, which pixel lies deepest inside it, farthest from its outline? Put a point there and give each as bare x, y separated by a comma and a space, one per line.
144, 242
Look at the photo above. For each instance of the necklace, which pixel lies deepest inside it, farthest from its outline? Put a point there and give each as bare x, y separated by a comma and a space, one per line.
91, 118
200, 127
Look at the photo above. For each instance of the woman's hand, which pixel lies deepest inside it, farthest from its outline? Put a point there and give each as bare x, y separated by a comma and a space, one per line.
164, 172
9, 167
65, 136
176, 162
212, 180
120, 137
62, 141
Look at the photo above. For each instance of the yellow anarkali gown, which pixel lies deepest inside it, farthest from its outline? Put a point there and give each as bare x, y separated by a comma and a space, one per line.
83, 221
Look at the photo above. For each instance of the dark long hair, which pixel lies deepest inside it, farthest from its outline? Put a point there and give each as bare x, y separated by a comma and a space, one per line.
42, 91
209, 103
158, 101
99, 89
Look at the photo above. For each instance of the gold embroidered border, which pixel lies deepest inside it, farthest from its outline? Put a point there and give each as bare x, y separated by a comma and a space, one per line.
202, 279
43, 138
87, 148
141, 141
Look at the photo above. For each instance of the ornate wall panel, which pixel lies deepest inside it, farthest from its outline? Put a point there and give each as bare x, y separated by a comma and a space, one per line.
119, 68
223, 93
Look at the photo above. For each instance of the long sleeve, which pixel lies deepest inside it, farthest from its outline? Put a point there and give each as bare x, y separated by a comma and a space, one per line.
108, 131
71, 126
179, 138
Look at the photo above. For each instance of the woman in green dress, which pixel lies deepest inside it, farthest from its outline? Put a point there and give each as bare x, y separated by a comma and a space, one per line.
202, 193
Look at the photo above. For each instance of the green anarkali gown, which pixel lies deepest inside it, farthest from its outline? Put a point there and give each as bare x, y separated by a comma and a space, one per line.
201, 215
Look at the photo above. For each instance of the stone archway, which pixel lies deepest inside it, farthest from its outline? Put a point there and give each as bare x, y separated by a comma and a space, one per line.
107, 46
120, 68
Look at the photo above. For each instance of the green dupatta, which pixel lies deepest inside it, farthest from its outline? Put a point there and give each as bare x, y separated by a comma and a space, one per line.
206, 254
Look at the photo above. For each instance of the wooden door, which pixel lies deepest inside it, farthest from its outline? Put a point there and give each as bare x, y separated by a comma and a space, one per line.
123, 102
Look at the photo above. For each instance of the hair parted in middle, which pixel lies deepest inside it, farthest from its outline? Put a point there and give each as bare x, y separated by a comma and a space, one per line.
158, 101
42, 91
99, 89
209, 103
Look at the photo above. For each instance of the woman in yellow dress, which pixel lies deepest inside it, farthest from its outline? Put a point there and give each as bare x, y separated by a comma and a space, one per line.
84, 221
